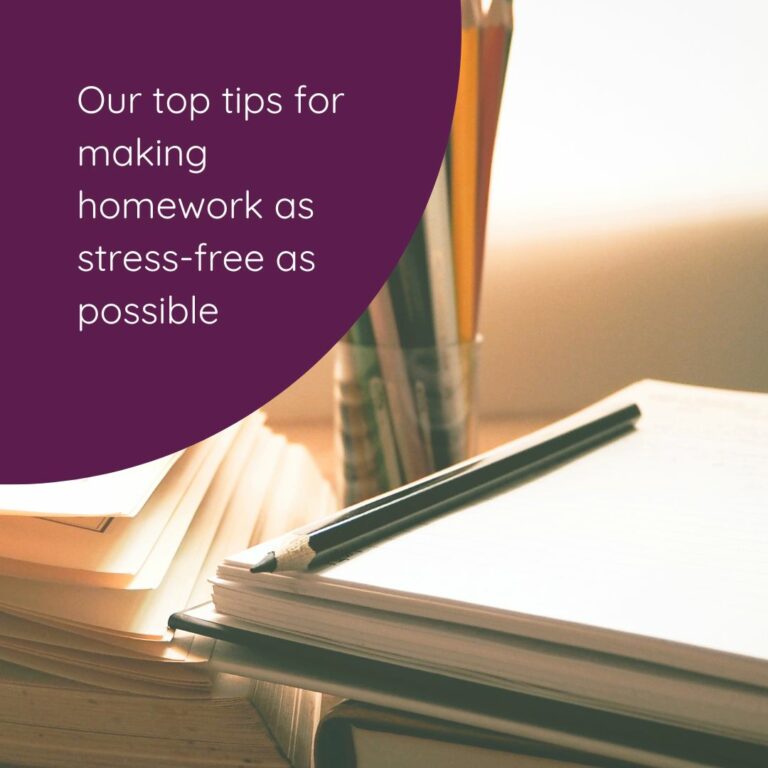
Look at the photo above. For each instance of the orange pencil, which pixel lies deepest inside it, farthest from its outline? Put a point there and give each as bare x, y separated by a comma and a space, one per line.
463, 172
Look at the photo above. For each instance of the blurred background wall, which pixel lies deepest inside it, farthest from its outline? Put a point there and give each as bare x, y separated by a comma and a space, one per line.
628, 233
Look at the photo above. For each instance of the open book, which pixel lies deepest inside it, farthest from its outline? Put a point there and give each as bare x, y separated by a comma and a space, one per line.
631, 579
116, 494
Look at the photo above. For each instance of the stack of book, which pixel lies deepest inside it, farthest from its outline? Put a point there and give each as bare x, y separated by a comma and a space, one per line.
608, 608
90, 571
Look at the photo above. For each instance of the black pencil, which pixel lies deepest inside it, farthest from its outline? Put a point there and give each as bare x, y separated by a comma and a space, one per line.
370, 523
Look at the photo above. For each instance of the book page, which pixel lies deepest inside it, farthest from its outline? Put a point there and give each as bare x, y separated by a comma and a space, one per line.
143, 613
116, 494
119, 549
661, 533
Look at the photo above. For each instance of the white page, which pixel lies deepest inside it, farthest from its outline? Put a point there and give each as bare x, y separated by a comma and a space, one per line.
663, 533
142, 613
116, 494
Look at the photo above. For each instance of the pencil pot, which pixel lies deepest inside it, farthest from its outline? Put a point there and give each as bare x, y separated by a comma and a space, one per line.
402, 413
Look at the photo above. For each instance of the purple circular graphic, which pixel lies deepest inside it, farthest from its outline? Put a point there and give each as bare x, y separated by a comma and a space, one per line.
348, 113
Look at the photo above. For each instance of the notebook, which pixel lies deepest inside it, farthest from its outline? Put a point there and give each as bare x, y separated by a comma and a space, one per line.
631, 579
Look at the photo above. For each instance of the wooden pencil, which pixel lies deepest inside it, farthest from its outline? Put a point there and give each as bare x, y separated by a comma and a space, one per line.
397, 383
374, 407
439, 248
495, 37
361, 526
410, 290
463, 173
447, 400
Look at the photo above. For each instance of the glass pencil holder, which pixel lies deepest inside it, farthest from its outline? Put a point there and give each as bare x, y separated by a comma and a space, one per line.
401, 413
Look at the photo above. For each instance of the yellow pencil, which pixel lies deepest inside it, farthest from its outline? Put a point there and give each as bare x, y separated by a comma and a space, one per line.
464, 164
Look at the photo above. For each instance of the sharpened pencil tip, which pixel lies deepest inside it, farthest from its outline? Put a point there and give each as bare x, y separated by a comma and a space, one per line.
267, 564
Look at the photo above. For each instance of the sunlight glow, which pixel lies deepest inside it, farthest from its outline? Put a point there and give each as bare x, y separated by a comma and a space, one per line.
624, 112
